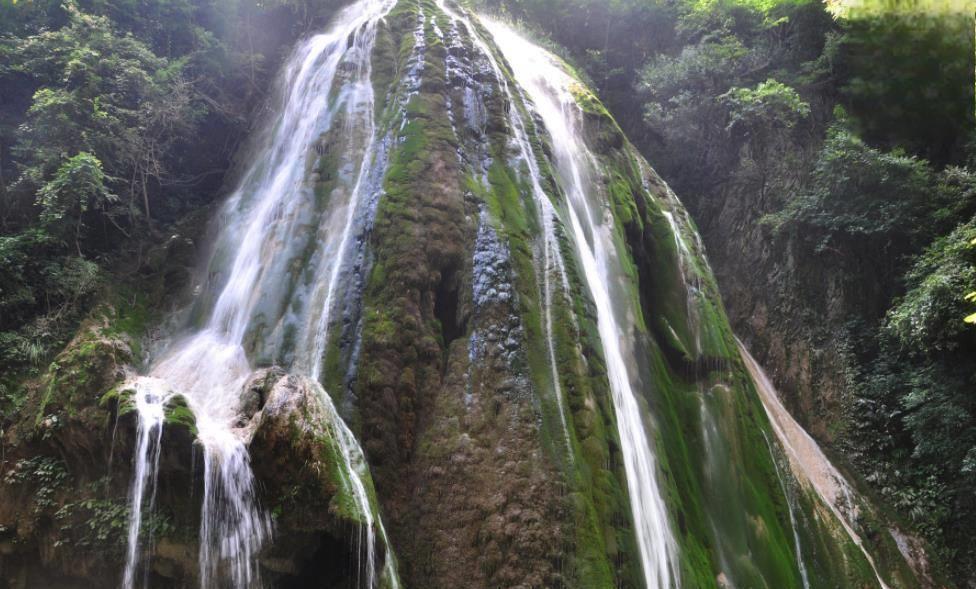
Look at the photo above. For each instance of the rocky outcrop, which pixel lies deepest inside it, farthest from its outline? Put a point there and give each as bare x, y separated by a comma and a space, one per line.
451, 431
305, 476
802, 310
65, 470
65, 476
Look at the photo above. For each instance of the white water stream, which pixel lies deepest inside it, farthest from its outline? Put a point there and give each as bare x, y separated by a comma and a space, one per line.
149, 402
807, 460
790, 506
549, 88
553, 263
261, 306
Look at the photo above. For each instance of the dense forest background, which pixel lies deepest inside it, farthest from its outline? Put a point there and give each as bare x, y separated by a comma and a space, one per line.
829, 158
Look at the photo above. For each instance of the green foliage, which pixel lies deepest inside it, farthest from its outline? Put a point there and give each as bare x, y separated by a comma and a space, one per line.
682, 104
99, 524
708, 99
117, 117
861, 192
916, 432
83, 150
762, 118
770, 105
77, 187
99, 94
45, 287
43, 474
861, 8
927, 317
106, 526
908, 79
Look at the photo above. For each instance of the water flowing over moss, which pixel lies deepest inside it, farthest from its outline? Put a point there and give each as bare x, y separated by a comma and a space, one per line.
447, 243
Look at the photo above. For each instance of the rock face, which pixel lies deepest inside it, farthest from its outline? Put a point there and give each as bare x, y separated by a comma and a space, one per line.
64, 491
469, 364
304, 479
786, 307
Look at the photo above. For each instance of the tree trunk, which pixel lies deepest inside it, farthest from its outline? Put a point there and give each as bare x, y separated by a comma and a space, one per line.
145, 201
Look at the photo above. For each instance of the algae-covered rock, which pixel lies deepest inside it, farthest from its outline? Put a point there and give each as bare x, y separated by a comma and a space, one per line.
296, 456
64, 406
65, 470
305, 466
257, 389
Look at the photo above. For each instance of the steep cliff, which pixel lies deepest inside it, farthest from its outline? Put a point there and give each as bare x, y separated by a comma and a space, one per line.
445, 229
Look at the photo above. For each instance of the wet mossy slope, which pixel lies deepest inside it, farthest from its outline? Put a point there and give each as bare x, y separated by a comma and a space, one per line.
481, 482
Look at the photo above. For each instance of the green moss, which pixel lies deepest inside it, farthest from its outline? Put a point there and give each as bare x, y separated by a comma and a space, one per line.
177, 413
120, 397
623, 201
729, 515
75, 380
127, 315
343, 503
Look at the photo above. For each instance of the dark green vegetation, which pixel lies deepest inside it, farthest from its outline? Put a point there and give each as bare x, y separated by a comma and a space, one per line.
64, 484
828, 162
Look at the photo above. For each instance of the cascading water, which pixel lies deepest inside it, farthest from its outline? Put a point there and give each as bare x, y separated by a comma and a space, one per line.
550, 89
150, 408
265, 308
791, 509
553, 263
808, 460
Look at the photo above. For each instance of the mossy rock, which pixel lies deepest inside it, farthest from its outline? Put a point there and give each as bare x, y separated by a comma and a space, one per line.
297, 458
177, 413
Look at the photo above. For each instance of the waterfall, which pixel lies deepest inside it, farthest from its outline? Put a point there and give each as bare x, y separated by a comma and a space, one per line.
552, 256
549, 88
791, 509
254, 303
808, 461
355, 464
149, 431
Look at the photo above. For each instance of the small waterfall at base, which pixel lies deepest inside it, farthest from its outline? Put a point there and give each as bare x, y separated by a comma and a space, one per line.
233, 528
549, 88
807, 459
149, 406
355, 463
262, 307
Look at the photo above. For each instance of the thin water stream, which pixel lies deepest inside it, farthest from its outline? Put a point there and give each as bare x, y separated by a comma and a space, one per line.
553, 264
549, 88
807, 459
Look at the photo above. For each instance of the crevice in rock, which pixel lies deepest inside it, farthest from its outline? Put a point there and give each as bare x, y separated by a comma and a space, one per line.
446, 303
332, 565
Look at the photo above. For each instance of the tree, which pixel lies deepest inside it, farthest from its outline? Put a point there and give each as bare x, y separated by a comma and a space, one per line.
77, 188
908, 79
761, 118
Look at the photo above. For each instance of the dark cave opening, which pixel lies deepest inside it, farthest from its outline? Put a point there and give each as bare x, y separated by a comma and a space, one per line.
446, 303
334, 564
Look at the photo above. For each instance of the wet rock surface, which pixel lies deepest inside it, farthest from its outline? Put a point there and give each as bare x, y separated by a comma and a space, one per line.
299, 468
65, 475
65, 472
